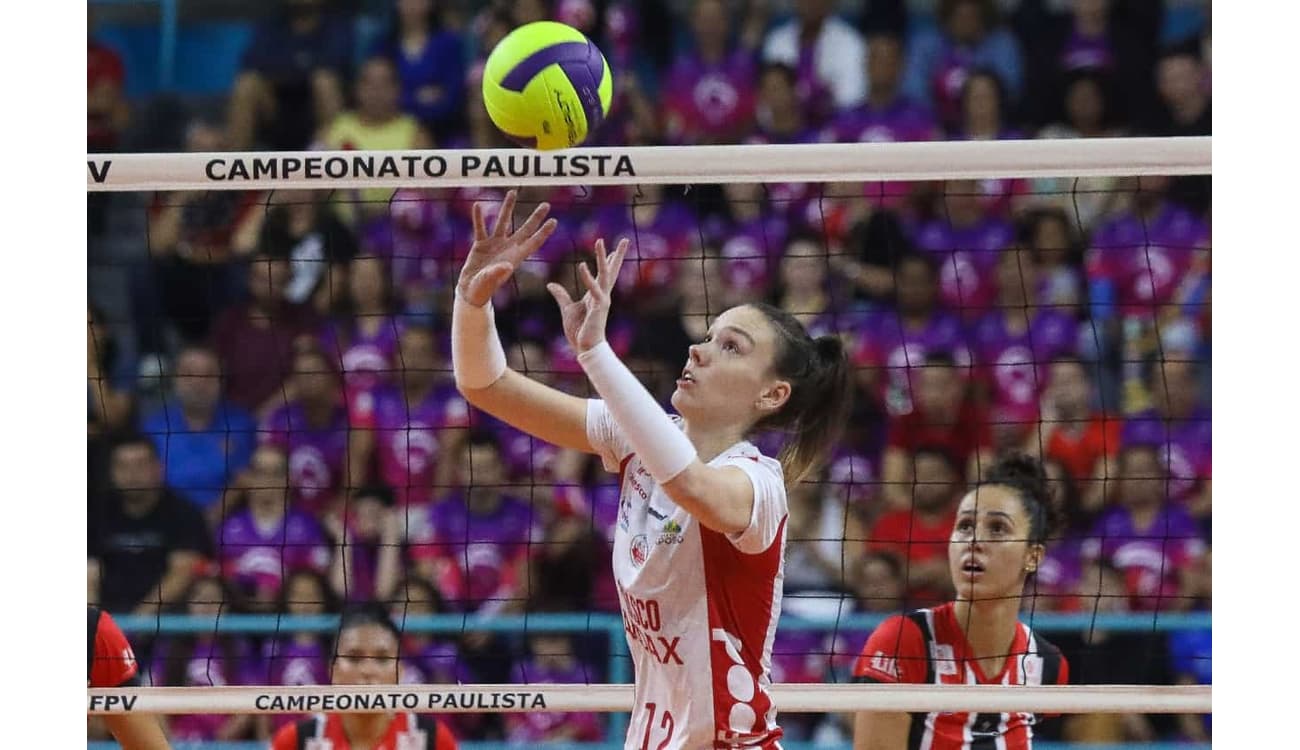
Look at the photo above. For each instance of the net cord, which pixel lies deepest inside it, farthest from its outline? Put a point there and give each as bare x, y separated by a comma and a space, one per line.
1066, 699
820, 162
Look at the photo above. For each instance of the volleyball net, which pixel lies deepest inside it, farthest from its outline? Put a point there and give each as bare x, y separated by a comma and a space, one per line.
269, 361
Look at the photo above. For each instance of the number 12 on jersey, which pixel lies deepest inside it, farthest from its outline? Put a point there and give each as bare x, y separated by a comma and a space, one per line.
666, 724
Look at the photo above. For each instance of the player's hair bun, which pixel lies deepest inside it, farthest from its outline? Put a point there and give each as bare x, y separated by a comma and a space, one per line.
1026, 475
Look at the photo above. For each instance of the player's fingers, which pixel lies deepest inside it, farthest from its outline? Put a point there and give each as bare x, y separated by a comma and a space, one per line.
598, 250
616, 262
590, 282
531, 245
506, 216
534, 221
480, 231
560, 294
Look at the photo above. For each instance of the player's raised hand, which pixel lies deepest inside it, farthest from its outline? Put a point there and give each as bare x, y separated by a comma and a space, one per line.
494, 256
584, 320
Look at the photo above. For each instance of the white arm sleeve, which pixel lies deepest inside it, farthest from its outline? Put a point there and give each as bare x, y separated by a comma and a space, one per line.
477, 358
770, 507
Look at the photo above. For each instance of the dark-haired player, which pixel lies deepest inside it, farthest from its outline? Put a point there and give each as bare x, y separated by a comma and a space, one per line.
997, 541
111, 664
366, 653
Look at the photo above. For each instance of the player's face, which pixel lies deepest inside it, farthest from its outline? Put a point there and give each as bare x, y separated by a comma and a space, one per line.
728, 377
988, 553
367, 655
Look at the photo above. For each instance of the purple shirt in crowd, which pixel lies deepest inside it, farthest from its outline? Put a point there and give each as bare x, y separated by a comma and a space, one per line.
657, 246
368, 358
316, 454
1015, 365
1149, 559
288, 662
539, 727
902, 351
1146, 261
752, 252
407, 436
259, 559
710, 102
1184, 445
1082, 52
967, 258
205, 666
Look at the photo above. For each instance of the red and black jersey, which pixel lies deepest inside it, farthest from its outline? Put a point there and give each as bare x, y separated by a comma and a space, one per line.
325, 732
110, 662
929, 646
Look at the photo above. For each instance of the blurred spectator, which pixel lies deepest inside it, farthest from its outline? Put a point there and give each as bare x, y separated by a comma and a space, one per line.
369, 535
984, 109
1186, 110
803, 288
965, 242
377, 123
1140, 257
828, 54
430, 62
193, 238
1088, 45
551, 660
1190, 653
266, 540
297, 657
312, 431
1179, 427
779, 117
662, 229
363, 339
206, 659
917, 536
1059, 255
291, 78
819, 553
145, 543
1013, 345
1152, 542
426, 660
897, 341
566, 572
969, 36
110, 375
709, 93
887, 115
411, 428
203, 439
255, 339
1106, 657
474, 547
750, 248
298, 225
107, 111
944, 418
1073, 431
663, 339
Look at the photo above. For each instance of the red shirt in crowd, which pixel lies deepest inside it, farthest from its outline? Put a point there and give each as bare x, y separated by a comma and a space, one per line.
912, 539
405, 732
1080, 452
929, 646
960, 438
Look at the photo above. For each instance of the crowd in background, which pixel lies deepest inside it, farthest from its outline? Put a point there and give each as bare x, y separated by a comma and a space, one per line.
273, 427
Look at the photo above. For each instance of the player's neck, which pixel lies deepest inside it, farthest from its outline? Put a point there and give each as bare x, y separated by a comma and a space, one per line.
709, 443
989, 625
365, 730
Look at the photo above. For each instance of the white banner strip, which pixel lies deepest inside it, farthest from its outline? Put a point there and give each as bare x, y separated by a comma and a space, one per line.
831, 162
514, 698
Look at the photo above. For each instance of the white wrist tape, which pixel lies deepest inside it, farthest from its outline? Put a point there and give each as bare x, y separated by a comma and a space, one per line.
476, 354
665, 451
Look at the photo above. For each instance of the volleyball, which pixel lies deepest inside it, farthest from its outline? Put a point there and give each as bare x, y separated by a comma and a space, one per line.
547, 86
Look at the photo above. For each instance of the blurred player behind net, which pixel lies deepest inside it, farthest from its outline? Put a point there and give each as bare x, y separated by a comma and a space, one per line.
699, 547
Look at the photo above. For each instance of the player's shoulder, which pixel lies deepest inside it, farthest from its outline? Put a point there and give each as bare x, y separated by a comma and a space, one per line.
903, 632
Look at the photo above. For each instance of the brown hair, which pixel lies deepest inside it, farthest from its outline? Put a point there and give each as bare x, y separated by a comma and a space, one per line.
820, 393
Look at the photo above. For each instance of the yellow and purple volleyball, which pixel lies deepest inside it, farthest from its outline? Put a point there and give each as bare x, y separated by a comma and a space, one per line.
547, 86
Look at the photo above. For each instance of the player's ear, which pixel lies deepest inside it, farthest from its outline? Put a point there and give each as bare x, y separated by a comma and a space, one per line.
773, 397
1034, 558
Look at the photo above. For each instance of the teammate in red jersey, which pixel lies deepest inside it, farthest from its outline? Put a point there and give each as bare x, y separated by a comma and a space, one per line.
998, 540
366, 653
111, 664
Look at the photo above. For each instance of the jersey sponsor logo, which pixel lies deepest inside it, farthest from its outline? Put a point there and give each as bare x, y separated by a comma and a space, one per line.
639, 550
945, 660
886, 665
672, 533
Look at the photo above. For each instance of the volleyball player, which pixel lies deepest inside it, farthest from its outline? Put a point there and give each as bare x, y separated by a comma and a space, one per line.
366, 653
699, 547
111, 664
997, 542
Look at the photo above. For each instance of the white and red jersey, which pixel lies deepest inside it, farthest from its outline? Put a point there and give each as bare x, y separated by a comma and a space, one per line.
700, 608
929, 646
